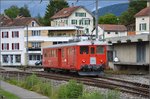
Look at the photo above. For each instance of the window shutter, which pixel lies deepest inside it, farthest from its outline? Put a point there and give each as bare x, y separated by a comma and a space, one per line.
7, 46
2, 46
12, 46
2, 34
18, 46
7, 35
12, 34
17, 33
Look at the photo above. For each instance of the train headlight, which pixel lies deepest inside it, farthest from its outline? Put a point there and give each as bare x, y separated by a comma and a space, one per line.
101, 61
83, 61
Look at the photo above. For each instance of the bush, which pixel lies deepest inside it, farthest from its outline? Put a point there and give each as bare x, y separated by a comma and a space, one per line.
94, 95
31, 81
70, 90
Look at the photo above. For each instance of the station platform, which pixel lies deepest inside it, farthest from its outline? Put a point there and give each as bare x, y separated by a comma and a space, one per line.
20, 92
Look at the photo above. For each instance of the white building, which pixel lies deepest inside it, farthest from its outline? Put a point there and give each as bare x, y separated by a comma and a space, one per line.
12, 45
74, 16
110, 30
143, 21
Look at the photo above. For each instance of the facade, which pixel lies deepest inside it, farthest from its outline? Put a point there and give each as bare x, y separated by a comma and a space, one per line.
39, 37
130, 50
108, 30
12, 45
74, 16
143, 21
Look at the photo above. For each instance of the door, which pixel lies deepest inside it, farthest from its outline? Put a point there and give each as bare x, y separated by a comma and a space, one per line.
141, 52
92, 55
59, 57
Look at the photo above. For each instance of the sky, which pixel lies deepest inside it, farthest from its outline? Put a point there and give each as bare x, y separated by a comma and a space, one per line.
37, 7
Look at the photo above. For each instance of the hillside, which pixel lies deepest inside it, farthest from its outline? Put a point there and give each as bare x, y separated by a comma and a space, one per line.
116, 9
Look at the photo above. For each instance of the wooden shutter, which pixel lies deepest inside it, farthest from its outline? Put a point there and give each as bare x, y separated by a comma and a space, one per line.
2, 46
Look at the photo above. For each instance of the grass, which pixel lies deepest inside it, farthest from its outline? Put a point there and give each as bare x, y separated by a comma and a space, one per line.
71, 90
7, 95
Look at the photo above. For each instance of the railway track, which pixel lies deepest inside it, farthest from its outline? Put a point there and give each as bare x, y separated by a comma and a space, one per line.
101, 82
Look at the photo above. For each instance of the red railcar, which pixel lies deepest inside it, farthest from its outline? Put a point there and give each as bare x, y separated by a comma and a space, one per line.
86, 57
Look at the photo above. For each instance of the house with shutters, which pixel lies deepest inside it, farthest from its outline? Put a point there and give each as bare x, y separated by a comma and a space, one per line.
13, 37
74, 16
12, 33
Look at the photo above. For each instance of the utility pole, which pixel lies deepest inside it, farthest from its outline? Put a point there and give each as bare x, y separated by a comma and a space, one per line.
96, 19
27, 46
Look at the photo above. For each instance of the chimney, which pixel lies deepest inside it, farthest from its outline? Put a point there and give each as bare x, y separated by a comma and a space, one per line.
148, 3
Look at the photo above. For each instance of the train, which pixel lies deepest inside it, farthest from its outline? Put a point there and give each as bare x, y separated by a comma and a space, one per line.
85, 57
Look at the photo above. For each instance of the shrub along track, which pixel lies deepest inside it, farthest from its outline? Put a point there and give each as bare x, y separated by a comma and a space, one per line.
141, 90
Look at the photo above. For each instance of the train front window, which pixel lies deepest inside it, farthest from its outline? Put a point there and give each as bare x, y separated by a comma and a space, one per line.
84, 49
92, 50
100, 50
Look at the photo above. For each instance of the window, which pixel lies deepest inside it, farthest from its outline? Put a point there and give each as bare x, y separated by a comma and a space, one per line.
86, 30
108, 32
92, 50
34, 57
110, 56
33, 23
36, 44
5, 46
87, 22
18, 58
15, 46
80, 22
100, 50
84, 49
116, 32
4, 34
5, 58
142, 27
78, 14
15, 34
36, 32
73, 21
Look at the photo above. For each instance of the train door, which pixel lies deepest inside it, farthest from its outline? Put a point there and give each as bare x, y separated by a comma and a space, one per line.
59, 57
92, 55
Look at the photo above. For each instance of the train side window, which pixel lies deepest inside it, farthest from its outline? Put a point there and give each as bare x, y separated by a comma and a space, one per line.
92, 50
100, 50
84, 49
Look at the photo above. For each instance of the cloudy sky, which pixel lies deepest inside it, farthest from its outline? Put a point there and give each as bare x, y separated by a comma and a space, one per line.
35, 6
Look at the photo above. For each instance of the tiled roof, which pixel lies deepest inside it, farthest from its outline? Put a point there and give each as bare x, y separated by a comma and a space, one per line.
22, 21
143, 12
65, 12
112, 27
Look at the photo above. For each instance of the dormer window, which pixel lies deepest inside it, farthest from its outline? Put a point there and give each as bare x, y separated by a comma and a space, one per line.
33, 23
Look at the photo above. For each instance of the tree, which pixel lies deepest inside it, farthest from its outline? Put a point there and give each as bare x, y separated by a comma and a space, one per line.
53, 7
135, 6
108, 19
12, 12
24, 11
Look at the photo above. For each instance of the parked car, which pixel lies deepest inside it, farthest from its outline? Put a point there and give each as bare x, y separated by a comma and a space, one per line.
39, 62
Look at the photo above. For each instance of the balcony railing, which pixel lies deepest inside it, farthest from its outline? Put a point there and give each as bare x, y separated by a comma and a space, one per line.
34, 49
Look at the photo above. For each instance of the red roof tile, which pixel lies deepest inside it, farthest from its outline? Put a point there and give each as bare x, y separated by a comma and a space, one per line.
112, 27
65, 12
143, 12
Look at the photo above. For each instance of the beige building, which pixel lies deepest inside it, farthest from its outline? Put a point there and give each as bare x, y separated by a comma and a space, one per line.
74, 16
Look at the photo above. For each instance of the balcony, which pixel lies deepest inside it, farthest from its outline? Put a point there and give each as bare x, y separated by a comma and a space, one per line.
34, 49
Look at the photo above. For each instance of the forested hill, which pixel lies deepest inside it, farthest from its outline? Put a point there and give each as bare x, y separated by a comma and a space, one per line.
116, 9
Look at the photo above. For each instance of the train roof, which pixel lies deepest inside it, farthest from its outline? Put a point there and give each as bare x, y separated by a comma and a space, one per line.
78, 44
